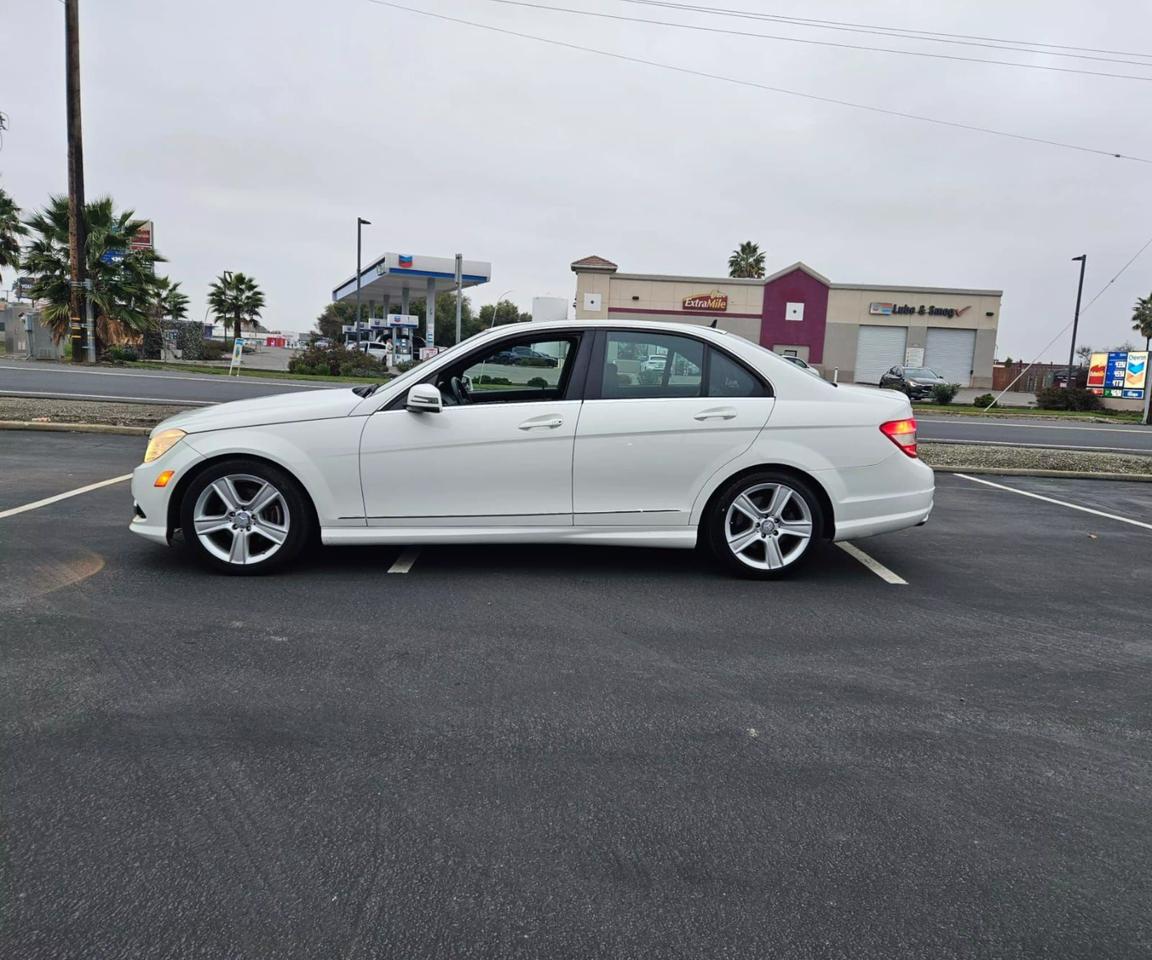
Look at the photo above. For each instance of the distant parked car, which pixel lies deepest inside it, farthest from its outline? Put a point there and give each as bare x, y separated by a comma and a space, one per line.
524, 355
915, 382
803, 365
376, 348
655, 362
322, 342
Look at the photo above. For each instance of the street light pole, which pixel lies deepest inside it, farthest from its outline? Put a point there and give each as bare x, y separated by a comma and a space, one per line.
77, 224
360, 223
1083, 258
459, 291
498, 299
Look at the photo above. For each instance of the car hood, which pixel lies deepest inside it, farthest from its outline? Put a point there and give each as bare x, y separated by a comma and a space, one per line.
281, 408
926, 381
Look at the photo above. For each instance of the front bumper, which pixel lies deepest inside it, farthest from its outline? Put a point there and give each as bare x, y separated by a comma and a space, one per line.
150, 502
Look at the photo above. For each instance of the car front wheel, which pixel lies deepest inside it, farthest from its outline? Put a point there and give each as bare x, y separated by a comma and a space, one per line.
244, 517
764, 525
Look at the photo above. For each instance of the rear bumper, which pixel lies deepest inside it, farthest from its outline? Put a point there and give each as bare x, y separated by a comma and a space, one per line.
891, 495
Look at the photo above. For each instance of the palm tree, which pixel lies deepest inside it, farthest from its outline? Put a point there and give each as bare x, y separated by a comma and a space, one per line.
747, 260
171, 301
124, 282
1142, 318
235, 297
11, 230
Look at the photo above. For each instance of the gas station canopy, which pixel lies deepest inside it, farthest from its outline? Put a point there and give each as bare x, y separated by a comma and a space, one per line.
395, 277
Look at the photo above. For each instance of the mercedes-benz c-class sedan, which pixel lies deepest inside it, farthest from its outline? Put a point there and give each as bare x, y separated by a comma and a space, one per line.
725, 445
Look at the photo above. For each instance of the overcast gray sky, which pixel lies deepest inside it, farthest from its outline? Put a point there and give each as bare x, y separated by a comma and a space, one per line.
254, 133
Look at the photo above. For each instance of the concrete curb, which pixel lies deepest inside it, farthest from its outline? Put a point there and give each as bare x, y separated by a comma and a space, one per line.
110, 428
1051, 474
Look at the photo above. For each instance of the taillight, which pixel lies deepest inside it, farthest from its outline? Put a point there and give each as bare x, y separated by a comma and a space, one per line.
902, 433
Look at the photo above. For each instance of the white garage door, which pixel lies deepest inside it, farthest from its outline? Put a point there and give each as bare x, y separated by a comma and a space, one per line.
949, 353
877, 350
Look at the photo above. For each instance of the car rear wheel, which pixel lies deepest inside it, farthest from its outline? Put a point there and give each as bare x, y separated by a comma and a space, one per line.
764, 525
244, 517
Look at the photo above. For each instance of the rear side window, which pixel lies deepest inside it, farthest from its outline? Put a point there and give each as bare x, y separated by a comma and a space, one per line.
647, 366
727, 378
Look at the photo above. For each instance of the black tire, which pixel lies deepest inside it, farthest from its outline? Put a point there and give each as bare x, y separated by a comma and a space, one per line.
801, 507
288, 516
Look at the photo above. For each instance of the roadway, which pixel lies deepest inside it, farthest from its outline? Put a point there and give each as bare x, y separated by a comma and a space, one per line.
21, 378
24, 379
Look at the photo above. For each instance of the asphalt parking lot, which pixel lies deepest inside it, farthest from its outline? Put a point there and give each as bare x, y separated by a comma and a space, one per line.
577, 752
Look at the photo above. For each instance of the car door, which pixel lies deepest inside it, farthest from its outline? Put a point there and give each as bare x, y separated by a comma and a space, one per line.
499, 453
893, 378
648, 440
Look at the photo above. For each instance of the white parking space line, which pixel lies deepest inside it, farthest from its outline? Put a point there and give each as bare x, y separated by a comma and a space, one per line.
872, 564
1059, 503
104, 396
405, 561
4, 514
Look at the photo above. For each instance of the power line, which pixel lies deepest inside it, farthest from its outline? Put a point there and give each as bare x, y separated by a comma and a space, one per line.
815, 43
1103, 289
762, 86
883, 30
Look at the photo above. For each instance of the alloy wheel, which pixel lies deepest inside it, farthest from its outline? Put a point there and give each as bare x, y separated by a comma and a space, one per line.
768, 526
241, 519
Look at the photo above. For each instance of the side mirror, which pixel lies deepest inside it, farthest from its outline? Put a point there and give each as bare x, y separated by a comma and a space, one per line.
424, 398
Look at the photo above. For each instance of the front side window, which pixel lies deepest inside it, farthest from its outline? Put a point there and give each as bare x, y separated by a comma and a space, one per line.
526, 371
651, 365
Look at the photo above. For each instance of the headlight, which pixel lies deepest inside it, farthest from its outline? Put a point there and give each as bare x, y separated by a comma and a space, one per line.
160, 444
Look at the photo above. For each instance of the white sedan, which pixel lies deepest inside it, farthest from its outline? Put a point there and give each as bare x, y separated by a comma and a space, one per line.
739, 450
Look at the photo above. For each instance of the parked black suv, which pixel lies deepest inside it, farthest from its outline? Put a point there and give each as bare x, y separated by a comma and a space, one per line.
917, 382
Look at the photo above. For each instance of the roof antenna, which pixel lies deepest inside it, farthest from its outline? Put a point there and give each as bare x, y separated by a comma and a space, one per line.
712, 325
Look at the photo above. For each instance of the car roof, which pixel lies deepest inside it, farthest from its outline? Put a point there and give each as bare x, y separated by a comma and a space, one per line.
656, 326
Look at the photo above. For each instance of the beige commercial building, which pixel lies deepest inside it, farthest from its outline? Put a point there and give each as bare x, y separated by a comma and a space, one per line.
852, 331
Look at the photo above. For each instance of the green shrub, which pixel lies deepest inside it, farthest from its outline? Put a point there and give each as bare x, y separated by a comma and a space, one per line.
406, 365
337, 361
650, 377
211, 350
538, 382
1058, 398
984, 401
121, 355
944, 393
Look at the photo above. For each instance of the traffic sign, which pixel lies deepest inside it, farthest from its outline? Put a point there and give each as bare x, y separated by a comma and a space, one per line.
112, 256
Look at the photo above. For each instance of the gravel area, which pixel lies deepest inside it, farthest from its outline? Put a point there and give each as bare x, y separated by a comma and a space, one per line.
1030, 458
38, 409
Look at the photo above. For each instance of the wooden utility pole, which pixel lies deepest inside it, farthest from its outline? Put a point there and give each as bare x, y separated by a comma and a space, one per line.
77, 227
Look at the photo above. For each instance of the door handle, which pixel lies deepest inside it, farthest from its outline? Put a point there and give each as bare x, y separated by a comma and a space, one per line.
550, 422
716, 413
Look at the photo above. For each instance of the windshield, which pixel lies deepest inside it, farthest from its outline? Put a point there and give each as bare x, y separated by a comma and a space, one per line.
922, 372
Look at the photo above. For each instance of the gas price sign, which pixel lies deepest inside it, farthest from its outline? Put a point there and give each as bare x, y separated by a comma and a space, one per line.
1123, 376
